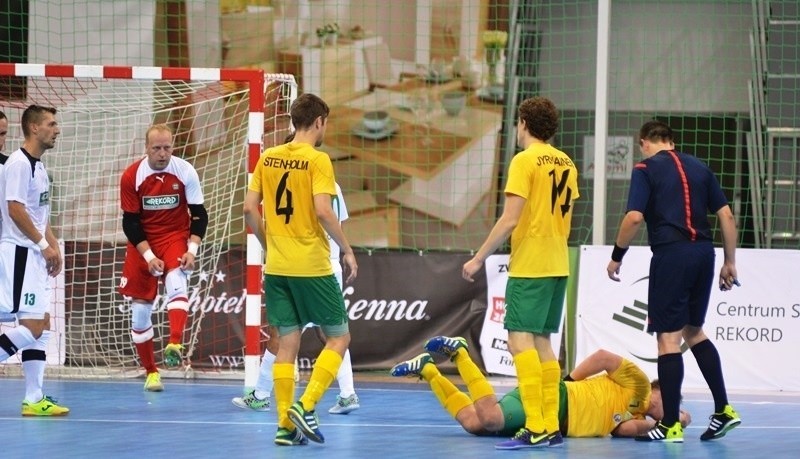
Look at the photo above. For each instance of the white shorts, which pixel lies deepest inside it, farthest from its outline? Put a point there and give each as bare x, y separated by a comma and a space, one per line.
25, 269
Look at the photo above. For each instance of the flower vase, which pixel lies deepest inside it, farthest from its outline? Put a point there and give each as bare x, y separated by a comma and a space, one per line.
331, 39
493, 56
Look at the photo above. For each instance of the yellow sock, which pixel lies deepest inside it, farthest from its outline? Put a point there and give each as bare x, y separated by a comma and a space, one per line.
283, 376
325, 369
529, 374
476, 383
445, 391
551, 377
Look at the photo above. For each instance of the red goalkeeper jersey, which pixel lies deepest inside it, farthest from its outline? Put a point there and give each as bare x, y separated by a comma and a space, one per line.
161, 198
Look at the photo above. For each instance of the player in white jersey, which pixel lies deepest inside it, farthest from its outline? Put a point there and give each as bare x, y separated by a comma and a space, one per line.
29, 253
347, 401
164, 220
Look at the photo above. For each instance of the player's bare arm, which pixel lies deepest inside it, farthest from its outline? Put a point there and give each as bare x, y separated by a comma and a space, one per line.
253, 218
53, 241
330, 223
19, 215
132, 227
599, 361
500, 232
727, 223
633, 427
627, 231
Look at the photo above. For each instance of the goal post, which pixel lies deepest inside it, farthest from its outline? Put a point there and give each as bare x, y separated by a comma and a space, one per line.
223, 119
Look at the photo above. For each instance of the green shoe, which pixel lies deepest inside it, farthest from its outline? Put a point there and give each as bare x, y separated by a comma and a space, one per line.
306, 421
662, 433
721, 423
153, 382
172, 355
47, 406
286, 437
251, 402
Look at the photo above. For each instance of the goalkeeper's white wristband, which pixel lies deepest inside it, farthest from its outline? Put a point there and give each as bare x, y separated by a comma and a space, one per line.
148, 255
43, 244
193, 246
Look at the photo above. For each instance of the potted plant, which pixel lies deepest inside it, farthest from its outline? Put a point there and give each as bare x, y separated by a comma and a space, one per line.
328, 34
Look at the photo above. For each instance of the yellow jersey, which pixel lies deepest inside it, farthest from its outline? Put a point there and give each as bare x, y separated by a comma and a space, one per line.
288, 177
548, 179
599, 404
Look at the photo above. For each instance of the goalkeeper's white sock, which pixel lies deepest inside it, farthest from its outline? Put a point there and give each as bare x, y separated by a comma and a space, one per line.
264, 384
345, 376
34, 359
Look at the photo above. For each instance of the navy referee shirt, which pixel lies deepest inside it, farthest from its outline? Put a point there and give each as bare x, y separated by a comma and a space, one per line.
675, 192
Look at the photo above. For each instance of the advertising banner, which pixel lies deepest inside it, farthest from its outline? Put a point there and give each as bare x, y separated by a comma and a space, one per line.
494, 338
755, 327
399, 300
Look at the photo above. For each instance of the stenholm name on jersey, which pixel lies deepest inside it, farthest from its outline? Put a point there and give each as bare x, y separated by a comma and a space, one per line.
282, 163
160, 202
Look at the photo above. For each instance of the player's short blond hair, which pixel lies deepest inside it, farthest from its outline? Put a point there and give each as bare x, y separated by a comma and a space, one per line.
156, 128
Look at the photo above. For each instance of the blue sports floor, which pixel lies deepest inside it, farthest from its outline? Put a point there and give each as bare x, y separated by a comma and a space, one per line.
397, 420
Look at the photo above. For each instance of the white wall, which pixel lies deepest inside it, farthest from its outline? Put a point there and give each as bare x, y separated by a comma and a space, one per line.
665, 55
116, 32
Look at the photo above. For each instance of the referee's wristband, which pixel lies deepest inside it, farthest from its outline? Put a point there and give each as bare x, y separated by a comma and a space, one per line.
193, 246
148, 255
618, 253
43, 244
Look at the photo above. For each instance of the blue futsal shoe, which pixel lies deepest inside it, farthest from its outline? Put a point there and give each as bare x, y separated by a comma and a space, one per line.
446, 345
412, 367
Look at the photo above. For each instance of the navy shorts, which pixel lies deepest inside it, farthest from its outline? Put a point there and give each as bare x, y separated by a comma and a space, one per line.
681, 275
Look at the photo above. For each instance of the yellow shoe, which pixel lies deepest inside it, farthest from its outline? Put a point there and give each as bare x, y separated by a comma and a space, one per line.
47, 406
153, 382
172, 355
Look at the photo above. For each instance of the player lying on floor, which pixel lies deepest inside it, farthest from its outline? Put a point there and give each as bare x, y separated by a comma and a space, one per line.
605, 394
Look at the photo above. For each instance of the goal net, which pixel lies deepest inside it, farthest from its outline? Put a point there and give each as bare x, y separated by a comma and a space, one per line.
222, 120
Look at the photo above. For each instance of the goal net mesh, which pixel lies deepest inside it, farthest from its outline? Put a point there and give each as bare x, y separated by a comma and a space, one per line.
103, 123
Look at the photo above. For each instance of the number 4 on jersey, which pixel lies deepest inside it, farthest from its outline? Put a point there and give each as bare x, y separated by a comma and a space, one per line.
286, 210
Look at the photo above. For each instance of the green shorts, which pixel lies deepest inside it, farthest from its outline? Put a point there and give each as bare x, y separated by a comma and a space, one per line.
293, 302
534, 305
514, 413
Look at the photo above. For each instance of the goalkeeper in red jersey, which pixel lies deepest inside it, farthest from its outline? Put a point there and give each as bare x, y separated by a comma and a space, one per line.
605, 394
164, 220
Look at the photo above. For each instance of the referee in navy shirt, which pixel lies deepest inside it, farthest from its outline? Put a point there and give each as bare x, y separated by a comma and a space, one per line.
673, 193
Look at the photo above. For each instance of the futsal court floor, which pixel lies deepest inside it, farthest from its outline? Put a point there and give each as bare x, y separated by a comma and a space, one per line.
397, 419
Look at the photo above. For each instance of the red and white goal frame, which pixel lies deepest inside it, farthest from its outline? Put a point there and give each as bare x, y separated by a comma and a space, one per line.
253, 78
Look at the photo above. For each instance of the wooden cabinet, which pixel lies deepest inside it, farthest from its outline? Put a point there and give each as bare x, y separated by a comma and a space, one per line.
335, 73
328, 72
